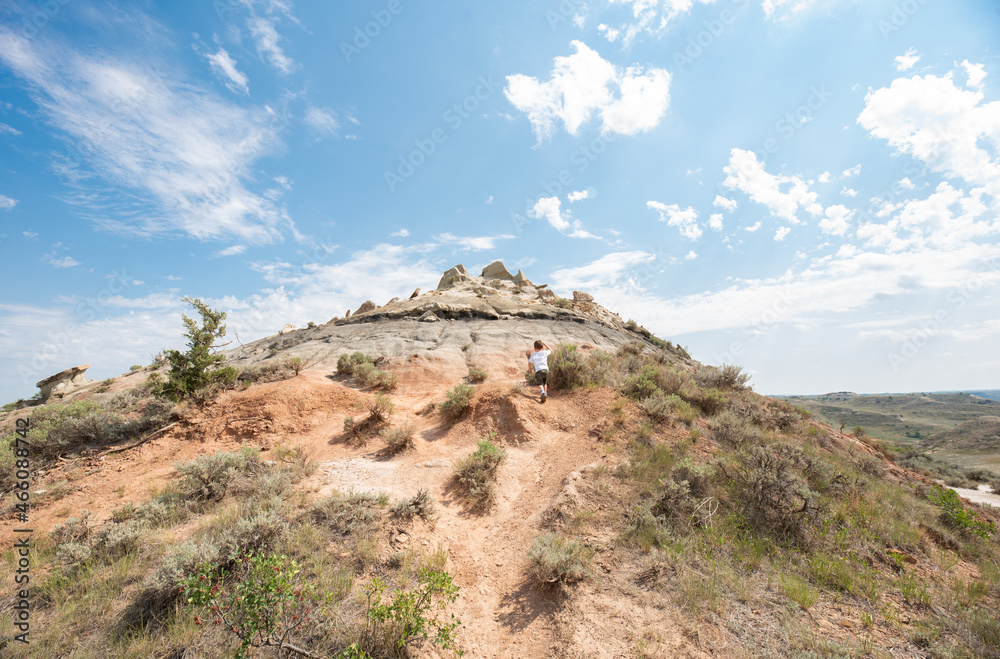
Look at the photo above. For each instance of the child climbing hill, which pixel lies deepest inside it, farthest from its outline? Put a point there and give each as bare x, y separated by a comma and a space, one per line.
539, 364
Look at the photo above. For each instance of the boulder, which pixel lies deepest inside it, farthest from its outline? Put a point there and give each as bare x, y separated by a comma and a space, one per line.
287, 329
497, 270
521, 280
348, 314
415, 294
546, 294
453, 276
367, 306
62, 382
582, 297
428, 317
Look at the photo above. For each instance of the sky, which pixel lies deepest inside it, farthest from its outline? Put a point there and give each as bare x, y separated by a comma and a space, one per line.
807, 188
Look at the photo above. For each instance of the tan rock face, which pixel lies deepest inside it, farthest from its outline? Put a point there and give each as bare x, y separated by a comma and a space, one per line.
452, 277
582, 297
63, 382
367, 306
497, 270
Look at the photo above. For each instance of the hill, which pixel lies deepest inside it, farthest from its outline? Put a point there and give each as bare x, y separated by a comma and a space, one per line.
982, 434
652, 507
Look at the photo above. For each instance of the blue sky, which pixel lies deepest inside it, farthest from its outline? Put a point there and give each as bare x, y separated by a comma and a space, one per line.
808, 188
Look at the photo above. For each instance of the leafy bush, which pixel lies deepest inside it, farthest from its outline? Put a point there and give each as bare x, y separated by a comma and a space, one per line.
555, 559
477, 473
477, 375
570, 368
265, 608
458, 401
398, 439
192, 373
957, 516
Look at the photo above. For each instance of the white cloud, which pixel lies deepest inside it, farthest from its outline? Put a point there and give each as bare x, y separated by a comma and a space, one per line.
62, 262
176, 157
950, 129
753, 228
685, 220
651, 16
848, 192
907, 184
824, 177
402, 233
608, 270
8, 130
745, 173
610, 33
691, 256
715, 221
772, 7
475, 243
853, 171
907, 60
323, 122
724, 203
489, 200
232, 251
267, 38
578, 195
283, 181
837, 220
7, 203
583, 84
975, 72
30, 235
224, 66
781, 233
549, 209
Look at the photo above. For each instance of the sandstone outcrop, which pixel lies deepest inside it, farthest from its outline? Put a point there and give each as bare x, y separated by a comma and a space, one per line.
62, 382
497, 270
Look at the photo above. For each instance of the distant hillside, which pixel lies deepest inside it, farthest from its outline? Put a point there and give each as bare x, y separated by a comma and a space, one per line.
978, 434
899, 417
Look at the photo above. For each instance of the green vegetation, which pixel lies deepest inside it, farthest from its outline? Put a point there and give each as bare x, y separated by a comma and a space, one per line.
476, 473
555, 559
459, 400
379, 409
398, 439
197, 372
477, 375
365, 373
562, 303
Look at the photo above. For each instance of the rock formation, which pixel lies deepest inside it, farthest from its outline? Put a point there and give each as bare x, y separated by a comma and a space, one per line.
63, 382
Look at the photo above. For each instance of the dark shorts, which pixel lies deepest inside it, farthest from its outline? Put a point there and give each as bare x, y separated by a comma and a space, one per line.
541, 377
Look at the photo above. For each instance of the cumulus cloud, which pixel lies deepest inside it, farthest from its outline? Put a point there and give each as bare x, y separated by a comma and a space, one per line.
976, 74
583, 85
473, 243
685, 220
608, 270
715, 221
783, 195
907, 60
578, 195
948, 128
724, 203
549, 209
7, 203
837, 220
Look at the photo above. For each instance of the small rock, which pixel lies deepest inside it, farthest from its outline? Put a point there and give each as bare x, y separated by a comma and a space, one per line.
288, 328
428, 317
415, 294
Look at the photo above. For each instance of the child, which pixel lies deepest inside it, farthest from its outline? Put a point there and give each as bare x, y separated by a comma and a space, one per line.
539, 364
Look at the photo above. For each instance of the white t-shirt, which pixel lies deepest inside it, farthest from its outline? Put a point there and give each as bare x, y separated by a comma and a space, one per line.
540, 360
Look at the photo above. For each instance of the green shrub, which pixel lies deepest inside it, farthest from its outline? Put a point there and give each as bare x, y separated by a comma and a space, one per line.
459, 400
379, 409
356, 512
266, 607
555, 559
477, 375
477, 473
135, 367
104, 386
957, 516
208, 478
419, 505
398, 439
562, 303
711, 401
735, 429
660, 406
347, 363
728, 376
